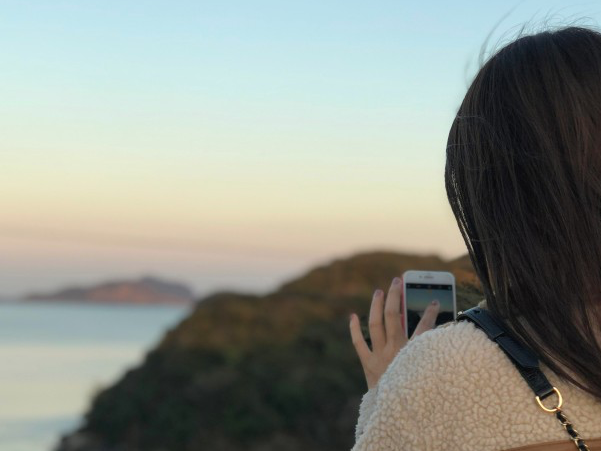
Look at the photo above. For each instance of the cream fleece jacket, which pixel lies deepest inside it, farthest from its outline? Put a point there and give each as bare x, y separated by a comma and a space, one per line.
452, 388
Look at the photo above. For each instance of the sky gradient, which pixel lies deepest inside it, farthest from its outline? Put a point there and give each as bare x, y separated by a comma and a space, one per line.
231, 144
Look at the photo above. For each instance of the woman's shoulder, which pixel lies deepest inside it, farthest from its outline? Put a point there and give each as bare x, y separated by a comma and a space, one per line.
457, 351
456, 374
451, 383
442, 383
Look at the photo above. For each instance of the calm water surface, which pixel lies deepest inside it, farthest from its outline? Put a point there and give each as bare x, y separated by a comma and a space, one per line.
54, 356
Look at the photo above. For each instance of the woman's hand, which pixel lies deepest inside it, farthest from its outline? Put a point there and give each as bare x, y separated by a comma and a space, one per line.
387, 339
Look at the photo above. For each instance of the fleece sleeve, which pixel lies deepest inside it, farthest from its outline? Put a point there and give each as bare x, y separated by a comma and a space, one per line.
366, 410
388, 420
409, 408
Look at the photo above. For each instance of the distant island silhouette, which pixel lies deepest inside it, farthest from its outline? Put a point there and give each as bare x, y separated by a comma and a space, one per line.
146, 290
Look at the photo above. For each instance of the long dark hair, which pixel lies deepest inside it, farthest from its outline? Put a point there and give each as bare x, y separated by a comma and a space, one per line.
523, 178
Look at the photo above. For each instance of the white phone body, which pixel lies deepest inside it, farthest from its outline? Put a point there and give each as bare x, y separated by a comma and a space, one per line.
420, 288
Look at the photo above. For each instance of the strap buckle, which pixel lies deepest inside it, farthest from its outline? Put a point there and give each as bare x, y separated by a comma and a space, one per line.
554, 409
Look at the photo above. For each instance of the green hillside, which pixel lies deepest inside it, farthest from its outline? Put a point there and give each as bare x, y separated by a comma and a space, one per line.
243, 372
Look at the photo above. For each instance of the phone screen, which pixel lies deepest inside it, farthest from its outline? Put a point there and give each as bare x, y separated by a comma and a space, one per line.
419, 295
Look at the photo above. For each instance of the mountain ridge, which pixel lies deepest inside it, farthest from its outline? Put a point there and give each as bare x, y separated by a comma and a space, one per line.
257, 373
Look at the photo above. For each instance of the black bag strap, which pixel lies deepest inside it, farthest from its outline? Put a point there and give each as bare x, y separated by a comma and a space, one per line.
525, 360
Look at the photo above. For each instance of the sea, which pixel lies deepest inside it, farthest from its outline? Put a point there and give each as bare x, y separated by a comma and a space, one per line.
54, 356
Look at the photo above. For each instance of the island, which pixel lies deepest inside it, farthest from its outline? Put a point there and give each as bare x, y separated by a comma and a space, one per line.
146, 290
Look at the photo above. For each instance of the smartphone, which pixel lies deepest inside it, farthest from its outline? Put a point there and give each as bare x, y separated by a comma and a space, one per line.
420, 288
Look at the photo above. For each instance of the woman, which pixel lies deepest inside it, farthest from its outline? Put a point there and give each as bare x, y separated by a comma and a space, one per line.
523, 177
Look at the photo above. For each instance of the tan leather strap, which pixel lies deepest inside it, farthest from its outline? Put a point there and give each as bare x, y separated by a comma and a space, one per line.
594, 444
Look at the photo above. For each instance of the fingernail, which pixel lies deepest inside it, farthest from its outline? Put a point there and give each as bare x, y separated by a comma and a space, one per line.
435, 302
377, 292
351, 317
396, 281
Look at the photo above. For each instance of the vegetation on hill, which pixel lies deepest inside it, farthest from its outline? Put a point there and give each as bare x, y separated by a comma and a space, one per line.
276, 372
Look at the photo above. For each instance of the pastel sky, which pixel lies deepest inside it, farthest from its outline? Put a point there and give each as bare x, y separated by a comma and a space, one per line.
231, 144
